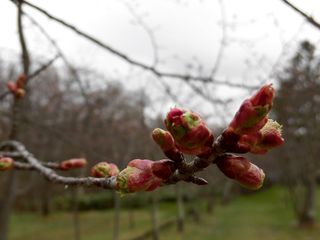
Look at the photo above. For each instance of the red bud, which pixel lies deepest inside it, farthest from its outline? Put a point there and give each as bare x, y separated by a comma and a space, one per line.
143, 175
241, 170
190, 132
6, 163
252, 114
73, 163
104, 170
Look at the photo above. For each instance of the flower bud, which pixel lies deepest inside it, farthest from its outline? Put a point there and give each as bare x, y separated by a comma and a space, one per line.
163, 138
267, 138
144, 175
12, 86
73, 163
252, 114
6, 163
21, 81
104, 170
166, 142
190, 132
20, 93
241, 170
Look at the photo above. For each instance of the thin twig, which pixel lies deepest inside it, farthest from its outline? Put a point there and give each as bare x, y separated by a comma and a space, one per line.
309, 18
132, 61
42, 68
52, 176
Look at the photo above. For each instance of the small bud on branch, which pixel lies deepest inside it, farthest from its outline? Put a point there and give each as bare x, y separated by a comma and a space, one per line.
241, 170
190, 132
144, 175
104, 169
6, 163
73, 163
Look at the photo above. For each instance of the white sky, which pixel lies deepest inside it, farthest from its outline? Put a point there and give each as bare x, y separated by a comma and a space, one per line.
186, 31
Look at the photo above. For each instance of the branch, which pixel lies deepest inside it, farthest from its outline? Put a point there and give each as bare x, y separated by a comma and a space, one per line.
132, 61
42, 68
309, 18
50, 175
24, 49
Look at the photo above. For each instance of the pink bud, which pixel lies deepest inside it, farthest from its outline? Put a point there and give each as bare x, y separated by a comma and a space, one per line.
190, 132
21, 81
163, 138
252, 114
166, 142
73, 163
143, 175
267, 138
6, 163
104, 170
241, 170
12, 86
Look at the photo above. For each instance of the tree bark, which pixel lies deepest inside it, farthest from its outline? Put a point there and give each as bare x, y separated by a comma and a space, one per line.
307, 215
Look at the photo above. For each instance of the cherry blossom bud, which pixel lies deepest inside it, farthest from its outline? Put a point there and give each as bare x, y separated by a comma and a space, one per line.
190, 132
6, 163
20, 93
104, 170
166, 142
241, 170
73, 163
12, 86
21, 81
144, 175
163, 138
252, 114
267, 138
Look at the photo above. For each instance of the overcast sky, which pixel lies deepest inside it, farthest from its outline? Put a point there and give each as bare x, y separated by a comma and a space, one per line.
186, 32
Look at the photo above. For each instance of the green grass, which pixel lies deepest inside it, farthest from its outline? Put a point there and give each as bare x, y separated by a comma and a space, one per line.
261, 216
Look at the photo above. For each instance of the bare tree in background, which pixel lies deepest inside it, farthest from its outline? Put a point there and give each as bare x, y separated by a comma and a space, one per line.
298, 108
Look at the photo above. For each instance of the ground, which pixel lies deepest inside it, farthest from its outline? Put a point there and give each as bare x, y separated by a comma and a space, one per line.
265, 215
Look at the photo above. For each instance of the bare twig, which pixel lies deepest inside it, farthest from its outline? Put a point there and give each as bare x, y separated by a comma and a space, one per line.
309, 18
24, 49
60, 53
42, 68
52, 176
132, 61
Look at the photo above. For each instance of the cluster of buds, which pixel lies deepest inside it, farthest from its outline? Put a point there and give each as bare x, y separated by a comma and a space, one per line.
187, 133
104, 170
6, 163
144, 175
250, 131
18, 88
73, 163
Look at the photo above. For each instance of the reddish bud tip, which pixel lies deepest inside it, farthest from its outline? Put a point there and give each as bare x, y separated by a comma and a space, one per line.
21, 81
143, 175
241, 170
252, 114
190, 133
104, 170
73, 163
267, 138
11, 86
264, 96
163, 138
6, 163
